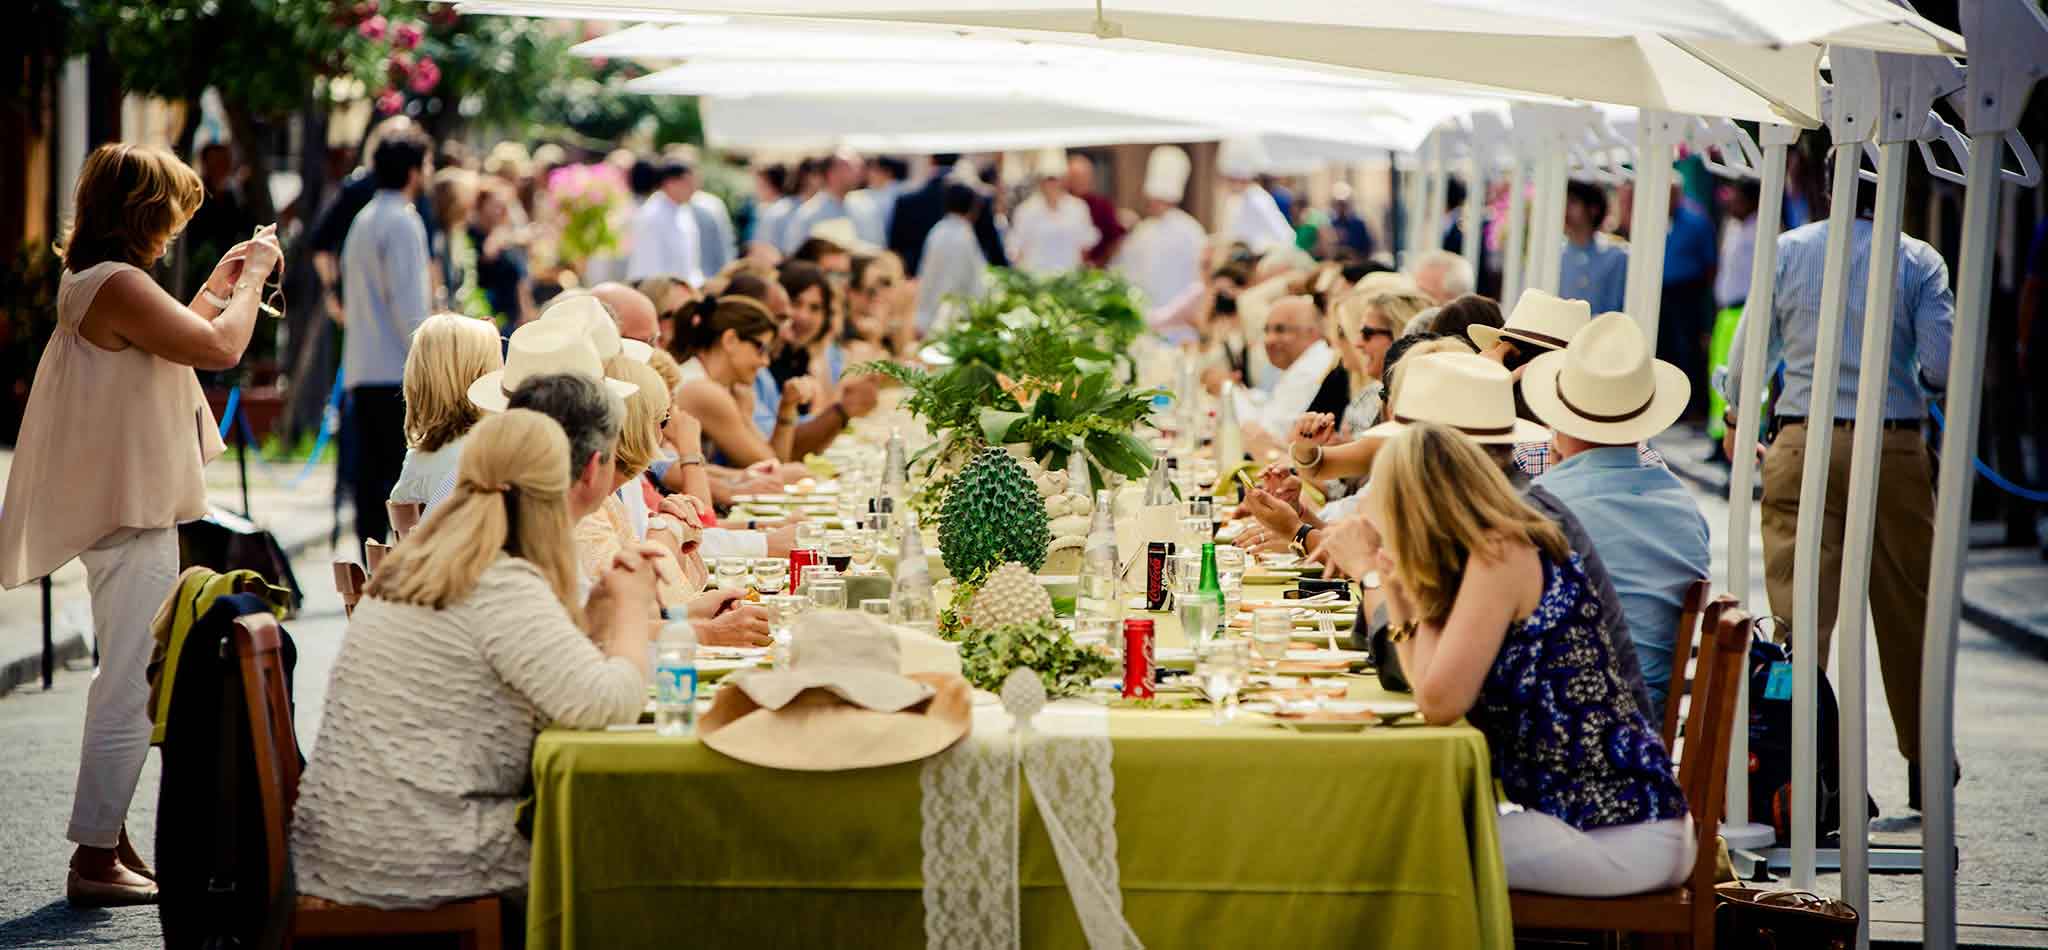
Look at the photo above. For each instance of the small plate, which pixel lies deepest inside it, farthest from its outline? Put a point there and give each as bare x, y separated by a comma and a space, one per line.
1392, 710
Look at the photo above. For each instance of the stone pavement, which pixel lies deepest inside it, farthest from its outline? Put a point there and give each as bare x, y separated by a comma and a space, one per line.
293, 502
2002, 586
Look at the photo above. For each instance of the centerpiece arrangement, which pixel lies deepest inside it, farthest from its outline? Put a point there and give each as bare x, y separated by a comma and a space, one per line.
1033, 369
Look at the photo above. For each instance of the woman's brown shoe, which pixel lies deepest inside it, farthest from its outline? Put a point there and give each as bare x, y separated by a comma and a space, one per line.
124, 850
129, 890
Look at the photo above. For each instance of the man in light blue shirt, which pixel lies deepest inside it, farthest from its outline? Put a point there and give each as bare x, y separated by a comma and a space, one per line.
829, 203
1594, 265
1602, 396
384, 273
1922, 318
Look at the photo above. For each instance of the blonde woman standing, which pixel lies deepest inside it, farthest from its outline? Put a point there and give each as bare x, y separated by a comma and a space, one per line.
469, 642
449, 352
119, 368
1496, 622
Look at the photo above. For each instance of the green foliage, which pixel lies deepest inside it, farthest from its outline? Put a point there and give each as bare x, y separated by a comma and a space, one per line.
1039, 361
263, 54
988, 654
992, 515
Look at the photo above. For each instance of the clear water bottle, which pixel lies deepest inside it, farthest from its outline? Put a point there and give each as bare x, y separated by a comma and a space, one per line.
1101, 566
1158, 490
910, 596
675, 679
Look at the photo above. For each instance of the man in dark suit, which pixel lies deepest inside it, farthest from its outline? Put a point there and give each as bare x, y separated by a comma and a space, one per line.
917, 212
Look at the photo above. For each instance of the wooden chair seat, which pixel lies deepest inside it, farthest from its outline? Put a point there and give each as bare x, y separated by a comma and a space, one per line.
477, 921
1660, 912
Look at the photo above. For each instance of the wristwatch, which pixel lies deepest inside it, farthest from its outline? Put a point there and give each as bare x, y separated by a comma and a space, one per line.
1301, 537
694, 458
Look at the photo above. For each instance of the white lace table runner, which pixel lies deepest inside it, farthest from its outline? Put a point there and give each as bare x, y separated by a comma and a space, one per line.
971, 820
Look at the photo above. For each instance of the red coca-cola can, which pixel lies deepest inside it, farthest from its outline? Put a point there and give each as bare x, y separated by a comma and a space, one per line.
800, 558
1140, 671
1156, 554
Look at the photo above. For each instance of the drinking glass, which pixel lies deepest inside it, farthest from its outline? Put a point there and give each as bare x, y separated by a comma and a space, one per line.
876, 607
732, 573
810, 535
839, 552
828, 593
1204, 471
1222, 667
771, 574
863, 543
783, 609
1093, 630
1272, 630
1230, 561
1198, 614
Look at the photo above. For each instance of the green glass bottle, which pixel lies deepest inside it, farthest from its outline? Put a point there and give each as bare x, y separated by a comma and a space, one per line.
1211, 589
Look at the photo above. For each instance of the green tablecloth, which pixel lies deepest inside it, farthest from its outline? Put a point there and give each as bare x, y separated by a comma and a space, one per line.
1244, 835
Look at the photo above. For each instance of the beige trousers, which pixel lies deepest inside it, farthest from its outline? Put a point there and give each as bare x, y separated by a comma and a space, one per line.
128, 574
1899, 563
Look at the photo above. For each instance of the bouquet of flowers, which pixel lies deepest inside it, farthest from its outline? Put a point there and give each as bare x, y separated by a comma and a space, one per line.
586, 199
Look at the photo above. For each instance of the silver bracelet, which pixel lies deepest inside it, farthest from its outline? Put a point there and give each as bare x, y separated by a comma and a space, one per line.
219, 302
1311, 463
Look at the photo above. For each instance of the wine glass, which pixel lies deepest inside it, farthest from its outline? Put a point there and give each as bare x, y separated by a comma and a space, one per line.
1222, 667
876, 607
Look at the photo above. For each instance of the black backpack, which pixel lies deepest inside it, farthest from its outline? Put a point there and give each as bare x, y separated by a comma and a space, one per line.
213, 891
1770, 748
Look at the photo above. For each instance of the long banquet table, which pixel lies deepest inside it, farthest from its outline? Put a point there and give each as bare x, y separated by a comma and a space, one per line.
1246, 835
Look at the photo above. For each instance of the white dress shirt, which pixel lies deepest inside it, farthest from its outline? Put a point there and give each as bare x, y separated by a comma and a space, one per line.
1163, 256
1738, 256
1047, 238
665, 242
1292, 391
717, 245
952, 267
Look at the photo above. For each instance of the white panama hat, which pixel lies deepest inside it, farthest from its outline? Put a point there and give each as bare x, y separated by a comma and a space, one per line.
840, 231
588, 312
1606, 387
1540, 318
542, 348
1465, 391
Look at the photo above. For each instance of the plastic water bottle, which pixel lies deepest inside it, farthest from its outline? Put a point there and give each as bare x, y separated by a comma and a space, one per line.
675, 679
1101, 566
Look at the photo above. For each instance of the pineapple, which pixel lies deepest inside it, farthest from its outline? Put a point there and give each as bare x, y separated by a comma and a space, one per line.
993, 514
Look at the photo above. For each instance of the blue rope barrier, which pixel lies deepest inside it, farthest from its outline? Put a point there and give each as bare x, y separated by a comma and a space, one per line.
326, 430
227, 418
232, 414
2006, 484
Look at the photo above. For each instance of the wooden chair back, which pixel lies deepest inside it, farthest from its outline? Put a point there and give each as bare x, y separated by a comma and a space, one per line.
349, 581
1684, 645
1703, 772
257, 643
373, 552
405, 516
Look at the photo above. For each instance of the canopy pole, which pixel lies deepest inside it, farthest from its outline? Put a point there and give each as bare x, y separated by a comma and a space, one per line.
1439, 192
1813, 485
1511, 257
1763, 278
1473, 221
1552, 226
1860, 525
1650, 218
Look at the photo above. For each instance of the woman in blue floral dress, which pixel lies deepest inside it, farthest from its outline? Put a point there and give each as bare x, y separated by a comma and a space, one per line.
1496, 624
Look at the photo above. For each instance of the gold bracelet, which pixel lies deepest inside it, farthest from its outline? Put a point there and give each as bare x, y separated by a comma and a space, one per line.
1401, 632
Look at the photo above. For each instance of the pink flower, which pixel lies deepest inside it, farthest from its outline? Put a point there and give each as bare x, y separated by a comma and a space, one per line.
389, 102
425, 76
398, 68
407, 35
372, 28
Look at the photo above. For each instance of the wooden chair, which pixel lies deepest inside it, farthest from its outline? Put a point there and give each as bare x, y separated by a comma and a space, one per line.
349, 581
373, 552
475, 922
1687, 910
1684, 642
405, 516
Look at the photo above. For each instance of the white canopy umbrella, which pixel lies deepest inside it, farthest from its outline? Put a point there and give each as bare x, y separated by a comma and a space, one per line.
1699, 65
923, 125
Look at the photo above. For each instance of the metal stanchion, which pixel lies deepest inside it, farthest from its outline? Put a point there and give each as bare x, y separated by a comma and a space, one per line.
49, 637
1756, 330
2008, 49
1512, 255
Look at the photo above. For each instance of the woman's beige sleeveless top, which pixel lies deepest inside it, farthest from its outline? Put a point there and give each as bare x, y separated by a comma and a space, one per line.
110, 440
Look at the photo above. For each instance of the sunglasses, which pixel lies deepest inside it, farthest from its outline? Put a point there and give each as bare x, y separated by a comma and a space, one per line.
1366, 334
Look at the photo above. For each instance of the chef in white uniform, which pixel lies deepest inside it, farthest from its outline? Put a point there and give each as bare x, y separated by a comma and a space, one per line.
1051, 229
1163, 255
1249, 213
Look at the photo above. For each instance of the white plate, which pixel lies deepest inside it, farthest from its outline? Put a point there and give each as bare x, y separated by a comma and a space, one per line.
1318, 656
1392, 709
1324, 725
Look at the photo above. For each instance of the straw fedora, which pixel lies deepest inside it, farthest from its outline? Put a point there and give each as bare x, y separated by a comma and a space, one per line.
1606, 387
841, 705
840, 231
542, 348
1465, 391
1539, 318
586, 311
